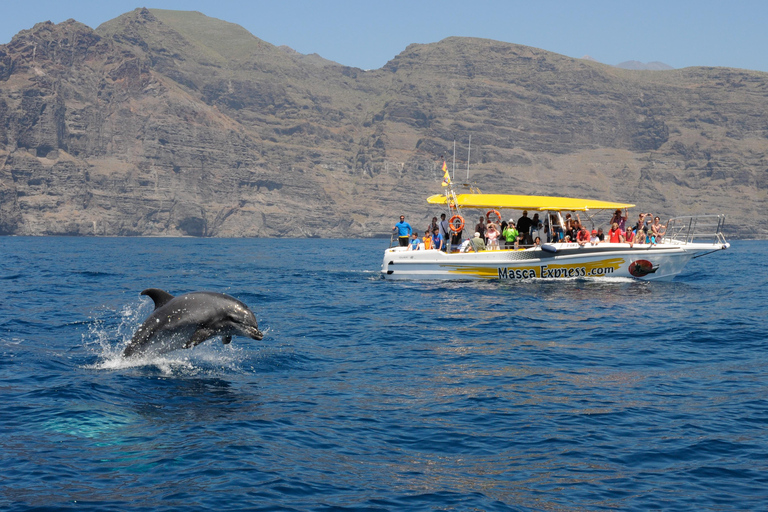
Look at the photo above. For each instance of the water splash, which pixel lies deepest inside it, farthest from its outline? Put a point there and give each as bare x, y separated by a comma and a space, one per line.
110, 331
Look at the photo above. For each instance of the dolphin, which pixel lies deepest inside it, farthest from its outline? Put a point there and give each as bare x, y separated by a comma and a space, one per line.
190, 319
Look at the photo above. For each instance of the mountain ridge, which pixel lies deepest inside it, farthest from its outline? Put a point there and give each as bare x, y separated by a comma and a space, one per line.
172, 123
644, 66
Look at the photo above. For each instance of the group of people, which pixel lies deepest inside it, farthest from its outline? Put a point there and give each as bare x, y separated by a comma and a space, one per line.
527, 232
440, 236
647, 230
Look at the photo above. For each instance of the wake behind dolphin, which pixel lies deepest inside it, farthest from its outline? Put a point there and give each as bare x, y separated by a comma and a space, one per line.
190, 319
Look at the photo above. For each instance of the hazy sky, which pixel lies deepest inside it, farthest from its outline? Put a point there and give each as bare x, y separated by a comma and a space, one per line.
367, 34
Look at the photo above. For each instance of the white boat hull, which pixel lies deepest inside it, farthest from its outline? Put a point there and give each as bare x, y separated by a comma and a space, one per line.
559, 261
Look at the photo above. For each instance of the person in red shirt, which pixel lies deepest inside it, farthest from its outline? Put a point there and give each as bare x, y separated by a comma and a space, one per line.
616, 235
582, 236
629, 236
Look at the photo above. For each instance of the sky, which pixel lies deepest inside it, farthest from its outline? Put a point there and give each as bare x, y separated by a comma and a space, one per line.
367, 34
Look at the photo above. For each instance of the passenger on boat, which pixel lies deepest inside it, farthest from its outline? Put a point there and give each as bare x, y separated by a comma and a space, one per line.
403, 231
575, 227
616, 235
643, 237
556, 228
641, 221
477, 242
465, 246
431, 227
648, 228
568, 222
427, 240
445, 231
594, 239
629, 237
493, 237
658, 227
456, 240
650, 237
480, 227
620, 219
537, 228
600, 235
582, 236
415, 242
537, 242
524, 224
511, 235
437, 240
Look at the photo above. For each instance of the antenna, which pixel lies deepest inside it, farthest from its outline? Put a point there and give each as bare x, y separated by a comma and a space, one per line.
469, 149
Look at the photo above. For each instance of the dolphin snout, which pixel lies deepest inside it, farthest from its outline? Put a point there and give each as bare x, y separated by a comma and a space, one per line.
254, 332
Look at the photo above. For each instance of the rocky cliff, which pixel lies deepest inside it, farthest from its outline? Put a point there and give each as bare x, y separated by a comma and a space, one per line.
171, 123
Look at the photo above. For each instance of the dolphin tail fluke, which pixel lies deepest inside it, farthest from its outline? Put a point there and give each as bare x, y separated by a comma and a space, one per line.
160, 297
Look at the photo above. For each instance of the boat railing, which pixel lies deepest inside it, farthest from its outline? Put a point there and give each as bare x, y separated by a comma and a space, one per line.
695, 228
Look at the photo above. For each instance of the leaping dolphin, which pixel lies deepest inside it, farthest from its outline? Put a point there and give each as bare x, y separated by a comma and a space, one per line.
190, 319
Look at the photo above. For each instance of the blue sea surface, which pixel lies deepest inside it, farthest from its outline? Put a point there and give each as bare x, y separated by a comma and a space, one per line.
368, 394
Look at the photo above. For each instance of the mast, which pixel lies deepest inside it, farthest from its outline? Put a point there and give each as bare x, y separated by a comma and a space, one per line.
453, 173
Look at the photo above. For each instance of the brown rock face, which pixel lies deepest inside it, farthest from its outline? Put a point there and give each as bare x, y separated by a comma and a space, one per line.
171, 123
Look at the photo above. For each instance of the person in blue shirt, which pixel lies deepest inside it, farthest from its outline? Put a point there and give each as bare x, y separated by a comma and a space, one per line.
415, 242
403, 231
437, 240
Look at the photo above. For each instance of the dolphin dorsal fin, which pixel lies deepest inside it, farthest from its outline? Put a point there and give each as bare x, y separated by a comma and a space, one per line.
160, 297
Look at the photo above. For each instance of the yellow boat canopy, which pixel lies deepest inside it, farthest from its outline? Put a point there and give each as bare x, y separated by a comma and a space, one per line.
541, 203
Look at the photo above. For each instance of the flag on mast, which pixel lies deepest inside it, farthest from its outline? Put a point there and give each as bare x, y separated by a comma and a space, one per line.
446, 176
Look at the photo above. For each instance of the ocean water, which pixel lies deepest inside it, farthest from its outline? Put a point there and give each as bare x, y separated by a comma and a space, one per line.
367, 394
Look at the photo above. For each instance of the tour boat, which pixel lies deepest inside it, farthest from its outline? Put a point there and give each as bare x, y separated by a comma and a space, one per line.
685, 238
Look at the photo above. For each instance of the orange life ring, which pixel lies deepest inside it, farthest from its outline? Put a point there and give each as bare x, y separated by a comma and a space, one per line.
488, 215
453, 226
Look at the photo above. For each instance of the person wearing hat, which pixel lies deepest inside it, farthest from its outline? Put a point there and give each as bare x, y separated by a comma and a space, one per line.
595, 239
620, 219
478, 244
600, 235
511, 235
